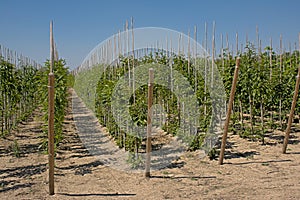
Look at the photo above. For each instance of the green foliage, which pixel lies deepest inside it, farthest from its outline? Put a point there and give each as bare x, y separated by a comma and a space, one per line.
18, 95
212, 154
197, 142
264, 91
137, 103
263, 94
70, 80
61, 78
135, 161
16, 149
85, 78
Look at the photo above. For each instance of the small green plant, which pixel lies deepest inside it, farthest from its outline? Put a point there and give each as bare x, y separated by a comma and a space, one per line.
4, 134
197, 142
265, 164
165, 172
16, 149
135, 161
246, 134
212, 154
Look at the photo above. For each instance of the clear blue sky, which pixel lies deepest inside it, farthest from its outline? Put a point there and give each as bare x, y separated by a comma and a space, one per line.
79, 25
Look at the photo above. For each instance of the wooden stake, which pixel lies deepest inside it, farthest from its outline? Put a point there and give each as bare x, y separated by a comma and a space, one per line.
257, 37
237, 43
231, 98
119, 47
213, 55
280, 78
133, 81
171, 65
195, 57
128, 57
271, 52
288, 129
205, 67
133, 78
149, 122
51, 114
271, 73
189, 52
52, 48
222, 53
179, 41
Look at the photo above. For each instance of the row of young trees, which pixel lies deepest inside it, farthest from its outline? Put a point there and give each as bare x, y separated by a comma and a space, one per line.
262, 101
23, 88
264, 91
18, 95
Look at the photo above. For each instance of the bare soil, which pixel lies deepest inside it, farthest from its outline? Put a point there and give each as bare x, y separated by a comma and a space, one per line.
250, 171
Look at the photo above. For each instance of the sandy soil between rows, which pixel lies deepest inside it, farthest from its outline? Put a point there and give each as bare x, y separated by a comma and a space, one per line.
250, 170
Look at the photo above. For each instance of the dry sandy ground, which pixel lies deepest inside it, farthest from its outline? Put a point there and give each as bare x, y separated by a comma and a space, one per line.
250, 171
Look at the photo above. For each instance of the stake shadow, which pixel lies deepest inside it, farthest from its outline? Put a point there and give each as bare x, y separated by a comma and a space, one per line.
176, 165
19, 173
15, 187
24, 171
229, 145
24, 149
3, 152
293, 153
260, 162
29, 148
293, 139
97, 194
184, 177
295, 129
231, 155
82, 169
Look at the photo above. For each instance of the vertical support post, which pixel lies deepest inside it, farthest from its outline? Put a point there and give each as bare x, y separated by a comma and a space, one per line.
231, 98
213, 55
149, 122
51, 114
288, 129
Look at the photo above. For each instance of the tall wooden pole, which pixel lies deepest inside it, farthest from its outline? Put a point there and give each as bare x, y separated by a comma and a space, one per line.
195, 55
51, 114
222, 53
213, 55
237, 43
280, 79
271, 52
133, 78
288, 129
231, 98
189, 52
205, 66
128, 50
149, 122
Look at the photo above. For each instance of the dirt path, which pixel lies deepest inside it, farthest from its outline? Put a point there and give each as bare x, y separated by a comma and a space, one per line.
99, 143
23, 166
250, 171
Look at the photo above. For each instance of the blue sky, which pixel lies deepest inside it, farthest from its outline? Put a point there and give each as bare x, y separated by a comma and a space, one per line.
79, 25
